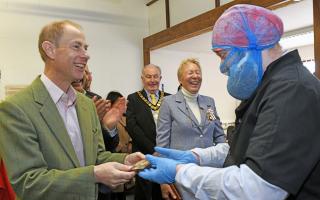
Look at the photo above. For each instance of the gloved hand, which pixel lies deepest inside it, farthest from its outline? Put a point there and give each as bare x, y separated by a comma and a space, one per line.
163, 170
177, 155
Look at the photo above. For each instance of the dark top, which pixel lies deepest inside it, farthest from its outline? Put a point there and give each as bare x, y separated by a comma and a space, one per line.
110, 143
277, 129
140, 124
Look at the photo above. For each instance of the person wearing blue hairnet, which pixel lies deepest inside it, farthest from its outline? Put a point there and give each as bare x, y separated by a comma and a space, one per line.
274, 151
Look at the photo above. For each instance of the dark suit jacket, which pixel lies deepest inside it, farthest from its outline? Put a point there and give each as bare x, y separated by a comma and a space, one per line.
140, 124
38, 151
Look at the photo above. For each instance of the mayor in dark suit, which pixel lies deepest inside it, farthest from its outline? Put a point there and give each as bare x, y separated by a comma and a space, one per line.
142, 114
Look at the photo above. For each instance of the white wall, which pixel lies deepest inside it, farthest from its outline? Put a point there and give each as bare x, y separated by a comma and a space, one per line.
213, 82
157, 17
180, 10
307, 55
306, 52
114, 30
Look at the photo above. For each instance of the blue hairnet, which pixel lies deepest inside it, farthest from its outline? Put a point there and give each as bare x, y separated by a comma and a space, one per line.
244, 31
247, 26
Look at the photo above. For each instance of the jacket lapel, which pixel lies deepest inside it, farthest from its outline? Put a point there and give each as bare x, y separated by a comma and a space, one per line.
184, 108
53, 119
86, 132
203, 105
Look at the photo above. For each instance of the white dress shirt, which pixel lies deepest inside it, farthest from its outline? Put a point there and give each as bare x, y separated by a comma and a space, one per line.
65, 103
215, 182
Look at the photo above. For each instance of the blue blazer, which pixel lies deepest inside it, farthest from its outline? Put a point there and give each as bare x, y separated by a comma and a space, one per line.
179, 129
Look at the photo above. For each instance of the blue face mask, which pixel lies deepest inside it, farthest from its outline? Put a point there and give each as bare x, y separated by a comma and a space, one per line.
244, 68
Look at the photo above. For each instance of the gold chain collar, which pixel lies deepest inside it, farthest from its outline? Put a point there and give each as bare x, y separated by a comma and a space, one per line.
152, 106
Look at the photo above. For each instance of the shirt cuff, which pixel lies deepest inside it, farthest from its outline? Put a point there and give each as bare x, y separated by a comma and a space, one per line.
112, 132
213, 156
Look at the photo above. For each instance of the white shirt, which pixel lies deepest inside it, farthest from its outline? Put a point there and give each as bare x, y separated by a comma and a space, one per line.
65, 103
214, 182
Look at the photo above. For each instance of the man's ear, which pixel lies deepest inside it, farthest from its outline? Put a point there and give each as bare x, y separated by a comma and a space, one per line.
49, 49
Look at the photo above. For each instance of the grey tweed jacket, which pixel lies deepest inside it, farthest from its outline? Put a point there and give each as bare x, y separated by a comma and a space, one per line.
179, 129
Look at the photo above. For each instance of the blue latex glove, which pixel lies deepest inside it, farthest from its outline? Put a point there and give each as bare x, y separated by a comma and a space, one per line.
179, 156
163, 170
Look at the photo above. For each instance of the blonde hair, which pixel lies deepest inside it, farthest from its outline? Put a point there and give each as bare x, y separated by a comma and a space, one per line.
184, 63
52, 33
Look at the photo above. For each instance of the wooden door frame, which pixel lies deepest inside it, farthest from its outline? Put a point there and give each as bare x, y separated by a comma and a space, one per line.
204, 23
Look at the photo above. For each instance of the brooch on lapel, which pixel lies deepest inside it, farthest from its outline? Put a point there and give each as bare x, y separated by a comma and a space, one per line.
210, 115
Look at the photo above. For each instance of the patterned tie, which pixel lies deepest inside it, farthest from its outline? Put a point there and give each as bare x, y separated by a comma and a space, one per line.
153, 99
154, 113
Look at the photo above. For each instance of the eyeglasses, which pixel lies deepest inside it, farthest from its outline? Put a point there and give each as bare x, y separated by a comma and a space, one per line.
230, 57
222, 53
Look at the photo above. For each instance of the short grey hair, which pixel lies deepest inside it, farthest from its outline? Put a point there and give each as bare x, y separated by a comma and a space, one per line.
150, 65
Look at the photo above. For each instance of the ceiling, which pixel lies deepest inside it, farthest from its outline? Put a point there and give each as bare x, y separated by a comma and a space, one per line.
297, 19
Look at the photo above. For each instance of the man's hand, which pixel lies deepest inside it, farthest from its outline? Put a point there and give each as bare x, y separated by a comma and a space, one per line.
180, 156
102, 106
120, 104
113, 174
163, 170
114, 114
133, 158
167, 192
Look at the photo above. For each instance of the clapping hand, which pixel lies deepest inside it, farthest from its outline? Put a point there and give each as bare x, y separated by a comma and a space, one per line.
114, 114
102, 106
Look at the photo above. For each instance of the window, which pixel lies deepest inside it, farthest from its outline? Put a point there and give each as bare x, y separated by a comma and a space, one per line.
310, 65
